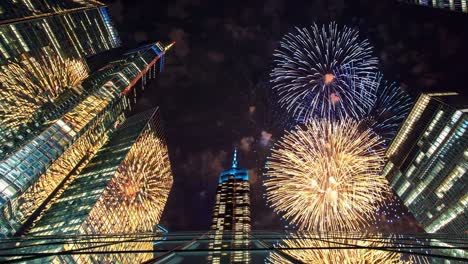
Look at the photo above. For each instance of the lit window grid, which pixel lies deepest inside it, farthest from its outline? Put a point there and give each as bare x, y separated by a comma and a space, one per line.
434, 122
109, 89
31, 160
403, 188
59, 135
20, 38
52, 37
450, 198
59, 30
430, 181
453, 177
412, 118
88, 143
114, 215
58, 145
110, 27
453, 5
449, 215
406, 128
420, 187
232, 202
72, 207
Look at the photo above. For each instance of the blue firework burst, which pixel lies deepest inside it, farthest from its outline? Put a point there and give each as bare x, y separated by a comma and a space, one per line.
315, 69
389, 110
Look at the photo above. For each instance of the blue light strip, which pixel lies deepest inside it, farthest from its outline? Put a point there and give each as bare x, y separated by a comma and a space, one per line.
109, 26
161, 64
234, 159
238, 174
162, 228
161, 60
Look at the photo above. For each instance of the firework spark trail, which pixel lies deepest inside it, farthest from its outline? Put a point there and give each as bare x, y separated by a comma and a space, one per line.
136, 196
28, 84
344, 250
326, 176
389, 110
311, 73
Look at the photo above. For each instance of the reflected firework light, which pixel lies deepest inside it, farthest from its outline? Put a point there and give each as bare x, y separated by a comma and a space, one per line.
32, 82
136, 196
85, 147
326, 176
341, 248
314, 68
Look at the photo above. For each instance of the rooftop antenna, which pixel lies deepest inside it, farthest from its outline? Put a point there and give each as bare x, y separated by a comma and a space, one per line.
234, 159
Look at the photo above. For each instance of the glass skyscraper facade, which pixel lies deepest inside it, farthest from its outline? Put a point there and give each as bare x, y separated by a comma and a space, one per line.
43, 45
122, 190
231, 215
453, 5
427, 162
68, 28
54, 148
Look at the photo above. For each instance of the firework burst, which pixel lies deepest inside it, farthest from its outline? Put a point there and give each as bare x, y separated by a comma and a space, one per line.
389, 110
313, 70
326, 176
356, 249
136, 196
30, 83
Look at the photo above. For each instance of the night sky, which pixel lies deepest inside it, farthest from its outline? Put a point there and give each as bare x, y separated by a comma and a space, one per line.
214, 91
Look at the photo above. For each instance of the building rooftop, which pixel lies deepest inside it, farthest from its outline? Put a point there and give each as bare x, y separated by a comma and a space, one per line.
239, 174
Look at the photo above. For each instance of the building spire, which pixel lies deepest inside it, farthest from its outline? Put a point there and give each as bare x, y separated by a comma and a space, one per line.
234, 159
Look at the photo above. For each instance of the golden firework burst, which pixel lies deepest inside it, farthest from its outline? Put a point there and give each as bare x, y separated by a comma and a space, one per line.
30, 83
326, 176
135, 198
354, 249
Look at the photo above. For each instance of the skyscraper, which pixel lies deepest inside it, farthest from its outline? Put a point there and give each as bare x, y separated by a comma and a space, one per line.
427, 162
231, 215
54, 113
453, 5
68, 28
43, 43
122, 190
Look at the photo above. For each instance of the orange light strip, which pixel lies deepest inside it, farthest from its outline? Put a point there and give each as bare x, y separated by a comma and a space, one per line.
146, 69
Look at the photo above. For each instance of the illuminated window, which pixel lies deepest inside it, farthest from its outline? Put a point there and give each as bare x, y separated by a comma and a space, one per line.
406, 129
438, 141
456, 174
19, 37
434, 122
449, 215
403, 188
419, 157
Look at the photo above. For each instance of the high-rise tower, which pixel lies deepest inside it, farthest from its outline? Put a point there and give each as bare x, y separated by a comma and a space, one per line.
49, 149
122, 190
453, 5
54, 113
231, 215
66, 27
427, 162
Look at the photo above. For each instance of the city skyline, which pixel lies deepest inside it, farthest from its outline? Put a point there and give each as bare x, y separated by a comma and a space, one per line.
344, 118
